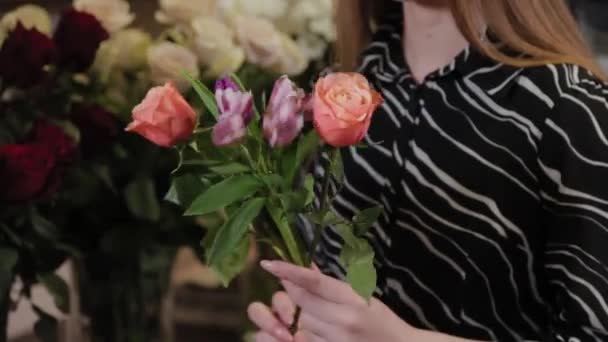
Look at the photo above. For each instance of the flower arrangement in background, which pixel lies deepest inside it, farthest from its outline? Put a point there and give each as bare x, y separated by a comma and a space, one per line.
73, 184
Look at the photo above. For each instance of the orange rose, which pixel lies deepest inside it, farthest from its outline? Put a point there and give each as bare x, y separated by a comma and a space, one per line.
164, 117
343, 105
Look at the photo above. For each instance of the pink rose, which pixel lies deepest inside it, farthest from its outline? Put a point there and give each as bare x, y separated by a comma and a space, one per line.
343, 105
164, 117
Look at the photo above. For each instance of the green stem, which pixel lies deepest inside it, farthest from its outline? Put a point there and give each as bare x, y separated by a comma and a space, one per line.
323, 208
248, 157
286, 234
324, 205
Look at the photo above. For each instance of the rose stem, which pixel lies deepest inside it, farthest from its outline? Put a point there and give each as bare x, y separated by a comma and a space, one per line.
293, 328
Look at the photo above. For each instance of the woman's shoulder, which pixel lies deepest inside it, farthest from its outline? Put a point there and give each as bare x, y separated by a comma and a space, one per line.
549, 88
559, 83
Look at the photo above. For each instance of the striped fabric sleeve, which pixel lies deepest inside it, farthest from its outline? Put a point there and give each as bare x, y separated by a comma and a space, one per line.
573, 162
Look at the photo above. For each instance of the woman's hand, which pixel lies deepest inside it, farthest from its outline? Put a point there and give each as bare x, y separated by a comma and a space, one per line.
331, 311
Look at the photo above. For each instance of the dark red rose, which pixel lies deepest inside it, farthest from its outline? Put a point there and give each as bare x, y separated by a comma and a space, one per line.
26, 171
78, 36
24, 55
35, 169
55, 139
98, 128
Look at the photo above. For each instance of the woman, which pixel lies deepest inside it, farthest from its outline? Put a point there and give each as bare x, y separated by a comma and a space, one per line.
490, 156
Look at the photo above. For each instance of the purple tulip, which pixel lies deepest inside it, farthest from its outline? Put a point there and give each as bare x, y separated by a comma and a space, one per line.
283, 119
236, 112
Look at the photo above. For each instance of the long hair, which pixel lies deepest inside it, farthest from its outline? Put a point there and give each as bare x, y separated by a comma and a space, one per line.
541, 31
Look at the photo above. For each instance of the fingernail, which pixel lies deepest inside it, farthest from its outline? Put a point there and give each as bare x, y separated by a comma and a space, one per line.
283, 334
267, 265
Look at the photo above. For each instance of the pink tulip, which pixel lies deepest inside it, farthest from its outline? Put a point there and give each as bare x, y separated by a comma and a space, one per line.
284, 119
236, 112
164, 117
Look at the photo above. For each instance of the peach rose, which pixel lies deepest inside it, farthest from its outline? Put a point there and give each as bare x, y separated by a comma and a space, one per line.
343, 105
164, 117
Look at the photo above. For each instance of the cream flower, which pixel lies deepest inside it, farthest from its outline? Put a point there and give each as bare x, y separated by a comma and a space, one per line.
213, 43
260, 39
312, 16
126, 50
167, 62
30, 16
292, 61
269, 9
183, 11
114, 15
311, 45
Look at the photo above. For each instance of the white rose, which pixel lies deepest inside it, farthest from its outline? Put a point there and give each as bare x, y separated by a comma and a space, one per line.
312, 16
126, 50
167, 62
312, 46
260, 39
30, 16
183, 11
292, 61
114, 15
269, 9
213, 42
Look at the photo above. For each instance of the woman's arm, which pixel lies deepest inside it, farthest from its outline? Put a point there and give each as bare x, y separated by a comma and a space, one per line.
331, 311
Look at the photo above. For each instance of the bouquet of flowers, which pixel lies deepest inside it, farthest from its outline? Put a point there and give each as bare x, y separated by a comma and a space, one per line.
247, 163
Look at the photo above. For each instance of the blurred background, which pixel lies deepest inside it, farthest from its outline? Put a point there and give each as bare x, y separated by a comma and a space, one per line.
104, 254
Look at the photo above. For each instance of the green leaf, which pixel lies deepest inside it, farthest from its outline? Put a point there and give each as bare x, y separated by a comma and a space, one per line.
308, 188
236, 79
294, 249
43, 227
224, 193
205, 95
337, 167
45, 327
307, 145
325, 219
58, 288
234, 263
231, 234
105, 175
365, 219
69, 129
297, 201
184, 189
361, 275
9, 258
140, 196
357, 257
230, 169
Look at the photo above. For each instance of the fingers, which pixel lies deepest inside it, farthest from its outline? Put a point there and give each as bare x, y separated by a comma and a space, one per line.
312, 324
264, 337
313, 304
261, 316
284, 307
306, 336
315, 282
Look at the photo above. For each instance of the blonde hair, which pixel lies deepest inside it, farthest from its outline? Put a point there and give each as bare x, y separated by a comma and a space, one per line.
544, 31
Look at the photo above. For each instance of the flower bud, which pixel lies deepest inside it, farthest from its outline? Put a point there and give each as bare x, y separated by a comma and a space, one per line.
283, 119
236, 112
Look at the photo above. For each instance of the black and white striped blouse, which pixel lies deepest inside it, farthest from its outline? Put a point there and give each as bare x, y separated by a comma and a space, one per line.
494, 181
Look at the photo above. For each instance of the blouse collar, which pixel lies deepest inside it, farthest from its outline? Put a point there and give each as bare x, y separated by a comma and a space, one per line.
387, 61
